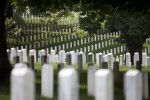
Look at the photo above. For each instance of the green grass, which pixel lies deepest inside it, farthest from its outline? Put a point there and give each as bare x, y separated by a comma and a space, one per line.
118, 90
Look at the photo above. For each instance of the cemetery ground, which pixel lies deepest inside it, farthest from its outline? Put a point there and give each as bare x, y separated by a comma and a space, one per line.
118, 87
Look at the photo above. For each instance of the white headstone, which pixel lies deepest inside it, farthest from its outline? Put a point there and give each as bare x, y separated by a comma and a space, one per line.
53, 56
136, 58
72, 57
144, 56
133, 85
104, 85
47, 81
13, 53
148, 61
128, 60
121, 60
68, 84
62, 56
145, 85
110, 61
22, 83
24, 55
91, 80
20, 54
33, 52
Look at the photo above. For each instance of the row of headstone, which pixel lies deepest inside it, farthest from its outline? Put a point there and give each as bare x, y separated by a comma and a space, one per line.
59, 36
21, 53
62, 38
145, 59
100, 83
100, 57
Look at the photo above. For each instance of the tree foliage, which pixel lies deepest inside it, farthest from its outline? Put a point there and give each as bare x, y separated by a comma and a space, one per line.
91, 21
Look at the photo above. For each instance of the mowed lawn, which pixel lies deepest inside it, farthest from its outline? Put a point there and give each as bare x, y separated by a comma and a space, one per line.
118, 90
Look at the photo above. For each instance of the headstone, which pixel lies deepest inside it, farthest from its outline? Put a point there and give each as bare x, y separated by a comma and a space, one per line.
47, 81
8, 54
62, 56
116, 70
13, 53
42, 53
33, 52
133, 85
104, 65
20, 54
53, 53
24, 55
16, 59
91, 80
148, 61
99, 45
102, 44
72, 57
31, 61
128, 62
68, 59
138, 65
104, 85
118, 50
121, 60
90, 57
136, 58
80, 62
114, 50
22, 83
110, 60
100, 60
43, 60
60, 66
145, 85
105, 43
144, 56
121, 48
68, 84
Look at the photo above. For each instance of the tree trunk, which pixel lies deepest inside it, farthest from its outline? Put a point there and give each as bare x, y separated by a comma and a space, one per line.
5, 67
9, 12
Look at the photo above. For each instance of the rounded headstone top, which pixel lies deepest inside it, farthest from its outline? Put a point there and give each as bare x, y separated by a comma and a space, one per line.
66, 72
19, 50
20, 69
132, 72
90, 53
46, 66
71, 51
110, 54
100, 53
102, 72
128, 53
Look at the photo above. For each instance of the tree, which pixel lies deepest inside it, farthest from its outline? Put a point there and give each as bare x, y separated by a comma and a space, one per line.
5, 67
131, 17
135, 30
39, 5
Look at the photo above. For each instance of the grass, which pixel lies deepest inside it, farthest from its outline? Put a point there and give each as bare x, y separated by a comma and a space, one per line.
118, 90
